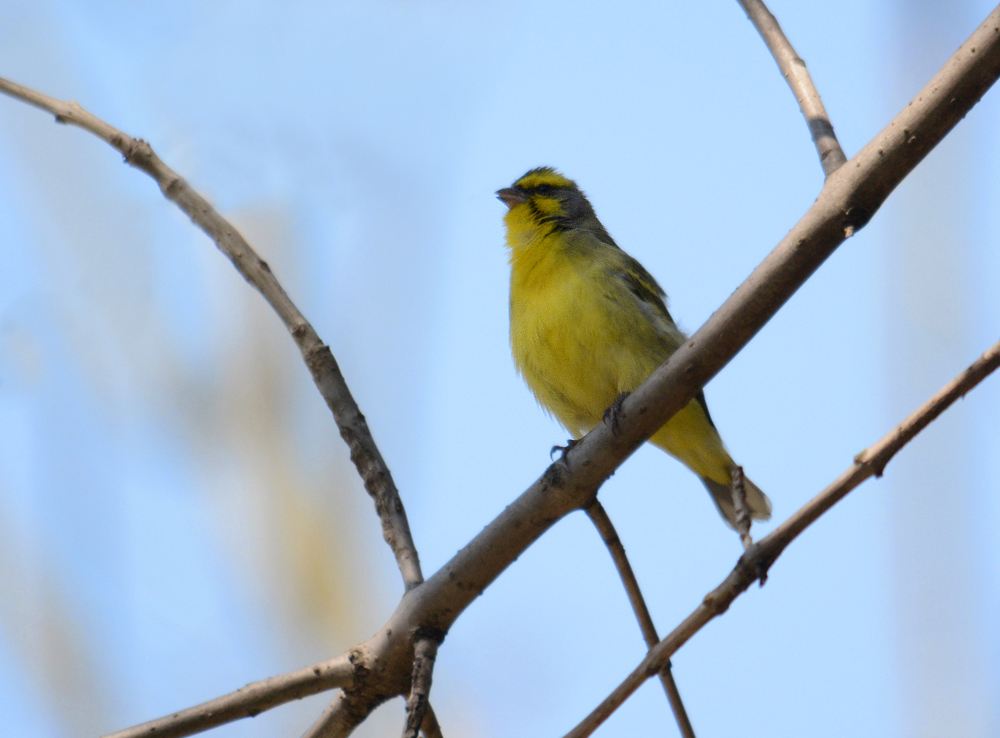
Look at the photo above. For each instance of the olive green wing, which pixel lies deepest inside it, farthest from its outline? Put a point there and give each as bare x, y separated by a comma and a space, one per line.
642, 284
651, 300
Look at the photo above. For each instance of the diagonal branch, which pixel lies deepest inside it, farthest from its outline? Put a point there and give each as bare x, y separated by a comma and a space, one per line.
599, 517
869, 463
248, 701
317, 355
831, 156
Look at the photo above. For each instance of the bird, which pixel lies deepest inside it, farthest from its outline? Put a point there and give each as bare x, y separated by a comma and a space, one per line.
588, 324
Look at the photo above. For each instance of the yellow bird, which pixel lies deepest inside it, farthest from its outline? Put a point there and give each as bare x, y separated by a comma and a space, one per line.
589, 324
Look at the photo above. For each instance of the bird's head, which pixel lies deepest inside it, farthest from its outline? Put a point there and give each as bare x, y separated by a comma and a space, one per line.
543, 202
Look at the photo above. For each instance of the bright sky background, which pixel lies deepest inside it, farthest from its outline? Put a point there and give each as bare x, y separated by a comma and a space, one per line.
177, 512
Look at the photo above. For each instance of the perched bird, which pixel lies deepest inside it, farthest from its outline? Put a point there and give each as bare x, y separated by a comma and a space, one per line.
588, 324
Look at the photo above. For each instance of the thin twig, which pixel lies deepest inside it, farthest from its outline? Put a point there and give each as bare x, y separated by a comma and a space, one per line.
869, 463
424, 653
318, 357
743, 520
248, 701
599, 517
793, 68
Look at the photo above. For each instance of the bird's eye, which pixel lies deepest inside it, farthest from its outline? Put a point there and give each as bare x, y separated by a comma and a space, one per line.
544, 190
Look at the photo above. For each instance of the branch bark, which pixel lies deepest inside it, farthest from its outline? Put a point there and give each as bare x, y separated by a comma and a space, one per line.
431, 728
759, 558
424, 654
248, 701
794, 70
341, 717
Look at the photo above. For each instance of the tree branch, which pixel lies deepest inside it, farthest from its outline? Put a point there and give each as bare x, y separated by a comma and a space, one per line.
318, 357
431, 728
341, 717
599, 517
248, 701
849, 198
424, 652
794, 70
870, 462
349, 709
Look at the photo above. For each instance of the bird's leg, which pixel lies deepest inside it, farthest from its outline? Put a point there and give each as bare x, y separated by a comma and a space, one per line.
563, 450
554, 474
613, 411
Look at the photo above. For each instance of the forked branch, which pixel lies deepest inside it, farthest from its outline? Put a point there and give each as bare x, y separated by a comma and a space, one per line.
424, 653
602, 522
759, 558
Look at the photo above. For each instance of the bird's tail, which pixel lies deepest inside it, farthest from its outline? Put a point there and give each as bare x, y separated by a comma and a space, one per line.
722, 495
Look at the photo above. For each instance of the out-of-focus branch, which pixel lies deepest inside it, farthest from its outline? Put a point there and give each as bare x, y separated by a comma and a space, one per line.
317, 355
831, 156
599, 517
870, 462
248, 701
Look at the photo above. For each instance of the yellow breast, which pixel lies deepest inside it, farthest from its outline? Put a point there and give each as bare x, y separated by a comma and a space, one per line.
562, 332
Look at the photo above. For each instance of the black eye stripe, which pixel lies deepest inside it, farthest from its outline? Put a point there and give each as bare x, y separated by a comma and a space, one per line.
543, 189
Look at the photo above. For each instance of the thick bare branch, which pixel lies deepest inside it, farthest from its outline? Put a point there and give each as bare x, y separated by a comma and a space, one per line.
599, 517
870, 462
323, 367
831, 156
248, 701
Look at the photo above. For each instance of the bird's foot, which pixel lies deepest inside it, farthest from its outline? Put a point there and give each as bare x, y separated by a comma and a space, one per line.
563, 450
553, 476
612, 414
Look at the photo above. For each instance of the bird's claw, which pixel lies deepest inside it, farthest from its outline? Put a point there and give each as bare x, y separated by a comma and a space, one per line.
563, 450
613, 413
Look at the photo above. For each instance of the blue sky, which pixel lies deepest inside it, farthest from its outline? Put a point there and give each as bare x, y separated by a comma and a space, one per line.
178, 515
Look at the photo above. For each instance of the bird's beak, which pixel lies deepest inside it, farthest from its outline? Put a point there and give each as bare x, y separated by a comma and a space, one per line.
511, 196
